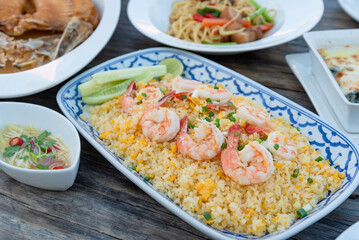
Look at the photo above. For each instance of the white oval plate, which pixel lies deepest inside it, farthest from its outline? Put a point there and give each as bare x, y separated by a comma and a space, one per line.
332, 144
293, 19
351, 7
44, 77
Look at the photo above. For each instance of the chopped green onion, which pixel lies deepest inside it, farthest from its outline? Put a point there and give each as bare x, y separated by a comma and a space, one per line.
163, 89
318, 159
216, 124
232, 119
264, 138
190, 125
307, 208
295, 173
301, 213
276, 146
216, 88
184, 96
270, 151
144, 94
212, 11
230, 114
205, 109
208, 119
201, 11
224, 145
146, 178
310, 180
208, 100
133, 168
207, 216
210, 114
236, 134
229, 103
240, 147
298, 129
259, 140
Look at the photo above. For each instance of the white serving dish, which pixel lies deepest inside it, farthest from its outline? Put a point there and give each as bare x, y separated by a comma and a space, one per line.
347, 112
333, 144
44, 119
46, 76
301, 65
351, 7
351, 233
152, 20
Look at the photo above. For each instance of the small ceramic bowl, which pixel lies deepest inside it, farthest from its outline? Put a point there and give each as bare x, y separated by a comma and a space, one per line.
45, 119
347, 112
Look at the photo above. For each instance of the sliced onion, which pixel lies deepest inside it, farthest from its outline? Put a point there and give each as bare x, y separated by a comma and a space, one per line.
57, 164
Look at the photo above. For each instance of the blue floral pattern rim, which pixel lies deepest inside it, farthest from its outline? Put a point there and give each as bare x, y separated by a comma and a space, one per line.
332, 144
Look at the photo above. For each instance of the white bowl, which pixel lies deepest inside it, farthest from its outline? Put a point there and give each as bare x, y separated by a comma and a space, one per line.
347, 112
351, 7
293, 19
46, 76
44, 119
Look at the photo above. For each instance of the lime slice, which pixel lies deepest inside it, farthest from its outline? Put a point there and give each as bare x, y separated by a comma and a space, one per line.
174, 66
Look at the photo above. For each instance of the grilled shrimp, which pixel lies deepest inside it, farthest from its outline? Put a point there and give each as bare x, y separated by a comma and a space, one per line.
183, 85
252, 165
158, 123
218, 95
251, 115
280, 146
210, 140
128, 100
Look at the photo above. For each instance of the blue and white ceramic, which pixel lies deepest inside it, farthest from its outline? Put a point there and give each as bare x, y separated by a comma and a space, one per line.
333, 144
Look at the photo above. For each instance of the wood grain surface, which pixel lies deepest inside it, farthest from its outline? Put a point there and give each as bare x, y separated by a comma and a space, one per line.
103, 204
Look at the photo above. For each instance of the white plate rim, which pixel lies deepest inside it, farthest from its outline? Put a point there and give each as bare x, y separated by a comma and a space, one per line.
47, 76
211, 232
144, 25
348, 10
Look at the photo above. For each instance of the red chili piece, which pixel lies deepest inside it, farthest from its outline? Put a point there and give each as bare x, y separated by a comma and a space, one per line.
197, 17
209, 15
58, 167
16, 141
212, 4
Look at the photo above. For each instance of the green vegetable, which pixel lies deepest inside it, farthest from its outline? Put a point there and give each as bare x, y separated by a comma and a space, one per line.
10, 151
224, 145
260, 11
107, 93
265, 14
207, 216
184, 96
276, 146
229, 103
220, 43
174, 66
144, 94
298, 129
301, 213
190, 125
259, 140
206, 10
310, 180
217, 122
205, 109
318, 159
240, 147
163, 89
42, 167
133, 168
210, 114
208, 100
216, 87
232, 119
236, 134
147, 178
270, 151
295, 173
208, 119
91, 86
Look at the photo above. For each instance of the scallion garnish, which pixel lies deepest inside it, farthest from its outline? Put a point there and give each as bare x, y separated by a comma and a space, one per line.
208, 100
240, 147
224, 145
295, 173
205, 109
191, 126
276, 146
236, 134
146, 178
298, 129
208, 119
133, 168
301, 213
232, 119
207, 216
318, 159
310, 180
270, 151
216, 87
229, 103
259, 140
264, 138
144, 94
217, 122
184, 96
210, 114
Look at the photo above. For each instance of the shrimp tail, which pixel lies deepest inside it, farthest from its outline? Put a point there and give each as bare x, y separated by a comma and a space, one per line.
168, 97
250, 129
234, 134
130, 89
183, 124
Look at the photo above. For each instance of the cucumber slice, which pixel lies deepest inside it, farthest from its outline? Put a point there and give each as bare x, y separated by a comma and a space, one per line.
128, 73
91, 87
174, 66
106, 93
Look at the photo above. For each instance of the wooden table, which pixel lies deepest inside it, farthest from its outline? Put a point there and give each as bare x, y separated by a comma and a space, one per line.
103, 204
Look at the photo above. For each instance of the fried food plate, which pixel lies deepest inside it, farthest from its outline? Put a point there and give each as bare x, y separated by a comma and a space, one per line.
38, 79
332, 144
